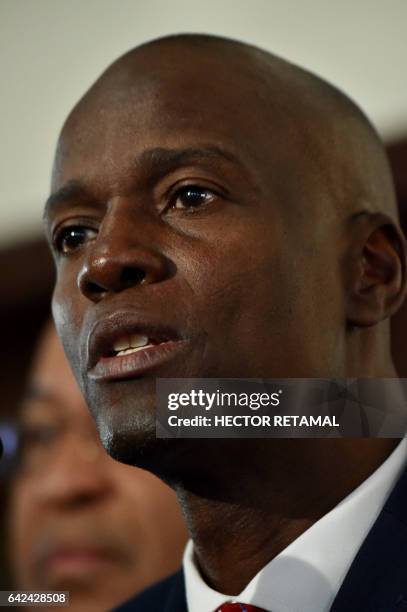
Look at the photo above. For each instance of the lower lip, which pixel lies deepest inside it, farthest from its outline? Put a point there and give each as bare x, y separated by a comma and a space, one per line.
136, 364
75, 563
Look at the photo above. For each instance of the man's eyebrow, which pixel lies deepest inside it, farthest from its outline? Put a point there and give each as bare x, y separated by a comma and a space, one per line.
72, 190
158, 161
167, 158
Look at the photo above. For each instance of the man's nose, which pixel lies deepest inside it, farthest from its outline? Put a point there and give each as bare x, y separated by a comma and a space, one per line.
122, 255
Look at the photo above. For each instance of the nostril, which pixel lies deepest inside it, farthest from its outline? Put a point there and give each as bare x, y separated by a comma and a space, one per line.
93, 288
132, 276
96, 283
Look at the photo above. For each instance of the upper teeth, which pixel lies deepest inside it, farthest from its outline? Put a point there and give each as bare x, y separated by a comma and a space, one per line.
130, 342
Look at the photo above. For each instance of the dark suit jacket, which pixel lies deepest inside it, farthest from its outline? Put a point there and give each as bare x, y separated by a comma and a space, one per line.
376, 581
166, 596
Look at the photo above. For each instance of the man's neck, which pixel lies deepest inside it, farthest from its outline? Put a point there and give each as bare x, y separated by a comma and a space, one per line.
240, 523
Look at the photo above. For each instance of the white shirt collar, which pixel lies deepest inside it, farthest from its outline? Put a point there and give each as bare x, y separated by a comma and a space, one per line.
307, 575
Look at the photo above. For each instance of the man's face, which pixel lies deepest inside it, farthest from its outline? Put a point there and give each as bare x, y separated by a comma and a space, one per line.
80, 521
183, 219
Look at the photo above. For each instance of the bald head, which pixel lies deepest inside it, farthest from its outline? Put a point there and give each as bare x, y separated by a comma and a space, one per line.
299, 117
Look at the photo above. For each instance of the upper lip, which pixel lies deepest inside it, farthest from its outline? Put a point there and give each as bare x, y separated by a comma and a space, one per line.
105, 332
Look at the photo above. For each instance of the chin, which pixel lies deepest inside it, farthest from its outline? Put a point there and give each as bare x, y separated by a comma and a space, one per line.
161, 457
127, 430
125, 415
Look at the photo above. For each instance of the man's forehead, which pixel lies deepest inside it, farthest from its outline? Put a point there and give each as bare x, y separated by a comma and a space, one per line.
184, 101
181, 93
151, 136
155, 162
122, 120
220, 86
106, 147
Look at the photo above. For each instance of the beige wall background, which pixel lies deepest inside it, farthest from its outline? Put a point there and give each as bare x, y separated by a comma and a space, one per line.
51, 50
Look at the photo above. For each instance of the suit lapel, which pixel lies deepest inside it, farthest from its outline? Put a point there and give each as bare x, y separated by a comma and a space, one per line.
377, 578
165, 596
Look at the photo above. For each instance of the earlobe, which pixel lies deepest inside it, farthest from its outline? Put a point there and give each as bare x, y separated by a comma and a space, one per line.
379, 279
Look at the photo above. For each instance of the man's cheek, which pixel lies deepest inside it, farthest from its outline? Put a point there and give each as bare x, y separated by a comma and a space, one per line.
67, 322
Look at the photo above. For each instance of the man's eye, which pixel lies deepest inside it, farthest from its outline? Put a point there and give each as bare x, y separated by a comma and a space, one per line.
70, 238
191, 197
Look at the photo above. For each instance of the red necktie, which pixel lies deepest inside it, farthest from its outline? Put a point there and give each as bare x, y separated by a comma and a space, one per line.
238, 607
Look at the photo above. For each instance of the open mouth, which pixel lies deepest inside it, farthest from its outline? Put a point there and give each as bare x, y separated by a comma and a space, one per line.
122, 348
133, 344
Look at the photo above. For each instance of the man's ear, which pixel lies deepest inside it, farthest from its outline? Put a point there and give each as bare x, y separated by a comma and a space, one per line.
378, 277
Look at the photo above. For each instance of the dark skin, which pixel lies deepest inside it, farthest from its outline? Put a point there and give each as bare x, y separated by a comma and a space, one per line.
208, 193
